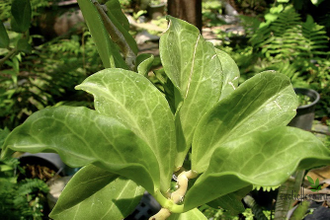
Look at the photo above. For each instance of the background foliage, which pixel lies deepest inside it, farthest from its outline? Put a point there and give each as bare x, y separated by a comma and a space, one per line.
290, 42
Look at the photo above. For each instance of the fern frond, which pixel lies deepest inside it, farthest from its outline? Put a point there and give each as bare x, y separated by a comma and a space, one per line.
289, 37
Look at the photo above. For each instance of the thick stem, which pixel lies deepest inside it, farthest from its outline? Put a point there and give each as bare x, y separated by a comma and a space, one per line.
161, 215
177, 196
182, 185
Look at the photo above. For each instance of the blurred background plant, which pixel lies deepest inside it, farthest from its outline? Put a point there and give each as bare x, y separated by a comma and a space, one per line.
23, 198
291, 40
37, 72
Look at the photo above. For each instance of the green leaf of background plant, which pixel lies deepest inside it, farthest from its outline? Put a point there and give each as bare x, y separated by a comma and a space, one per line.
23, 45
116, 11
192, 65
82, 136
94, 193
4, 39
264, 101
310, 180
230, 73
193, 214
138, 104
107, 49
316, 182
119, 19
262, 158
21, 12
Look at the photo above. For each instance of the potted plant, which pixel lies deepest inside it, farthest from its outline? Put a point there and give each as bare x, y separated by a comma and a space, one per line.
218, 138
308, 98
156, 8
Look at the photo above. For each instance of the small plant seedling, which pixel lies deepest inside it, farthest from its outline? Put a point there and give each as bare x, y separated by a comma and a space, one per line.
315, 186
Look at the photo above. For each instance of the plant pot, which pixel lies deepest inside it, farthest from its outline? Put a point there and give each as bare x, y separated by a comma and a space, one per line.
155, 11
51, 160
305, 113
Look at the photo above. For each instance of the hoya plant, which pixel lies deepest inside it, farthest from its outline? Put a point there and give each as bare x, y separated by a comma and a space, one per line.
220, 139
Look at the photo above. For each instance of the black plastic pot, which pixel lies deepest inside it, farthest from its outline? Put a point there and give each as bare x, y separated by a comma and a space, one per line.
305, 113
155, 11
50, 160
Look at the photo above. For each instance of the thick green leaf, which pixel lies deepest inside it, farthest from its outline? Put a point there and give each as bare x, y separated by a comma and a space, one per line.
82, 136
107, 49
4, 39
230, 73
193, 66
262, 158
21, 12
138, 104
262, 102
231, 202
193, 214
94, 193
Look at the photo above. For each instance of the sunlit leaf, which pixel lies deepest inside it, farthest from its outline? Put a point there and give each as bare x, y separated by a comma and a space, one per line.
81, 137
262, 158
262, 102
195, 70
230, 73
137, 103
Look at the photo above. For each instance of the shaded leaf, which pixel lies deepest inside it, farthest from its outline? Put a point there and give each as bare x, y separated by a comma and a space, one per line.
136, 102
97, 193
24, 46
262, 158
4, 39
82, 136
264, 101
21, 12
